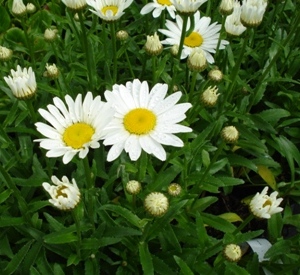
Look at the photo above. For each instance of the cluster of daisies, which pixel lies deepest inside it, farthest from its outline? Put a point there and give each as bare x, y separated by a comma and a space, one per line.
133, 118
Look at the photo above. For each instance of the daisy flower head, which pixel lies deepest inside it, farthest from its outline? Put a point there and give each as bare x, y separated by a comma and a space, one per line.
144, 120
188, 7
233, 25
157, 6
75, 5
64, 195
109, 10
74, 128
264, 206
22, 83
204, 36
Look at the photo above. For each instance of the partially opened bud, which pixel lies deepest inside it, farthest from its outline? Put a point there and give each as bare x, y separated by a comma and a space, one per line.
197, 60
153, 45
210, 96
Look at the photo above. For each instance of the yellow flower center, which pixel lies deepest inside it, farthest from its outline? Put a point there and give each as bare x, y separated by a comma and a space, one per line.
193, 40
267, 202
78, 134
139, 121
164, 2
59, 192
112, 8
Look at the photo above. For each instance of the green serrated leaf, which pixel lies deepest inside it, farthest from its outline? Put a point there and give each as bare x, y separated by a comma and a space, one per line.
17, 259
125, 213
184, 268
146, 259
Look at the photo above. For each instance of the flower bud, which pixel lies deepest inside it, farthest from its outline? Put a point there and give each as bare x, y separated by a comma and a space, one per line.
18, 8
122, 35
156, 203
51, 71
174, 189
197, 61
50, 34
153, 45
230, 134
232, 252
5, 54
226, 7
215, 75
30, 8
133, 187
174, 50
209, 97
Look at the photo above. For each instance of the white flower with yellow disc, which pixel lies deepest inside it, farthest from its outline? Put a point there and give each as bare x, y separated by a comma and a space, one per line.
157, 6
109, 10
143, 120
74, 128
204, 36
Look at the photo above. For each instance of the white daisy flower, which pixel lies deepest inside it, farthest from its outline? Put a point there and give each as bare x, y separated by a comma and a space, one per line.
233, 25
143, 120
64, 195
204, 36
109, 10
22, 82
75, 5
157, 6
264, 206
187, 6
75, 129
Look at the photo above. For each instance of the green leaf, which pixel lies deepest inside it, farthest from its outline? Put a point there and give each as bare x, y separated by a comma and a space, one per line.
60, 237
184, 268
4, 20
282, 247
275, 225
5, 195
31, 256
161, 267
217, 223
146, 259
17, 259
164, 178
11, 221
95, 243
267, 176
202, 203
161, 222
293, 220
234, 269
121, 231
125, 213
273, 115
263, 125
237, 160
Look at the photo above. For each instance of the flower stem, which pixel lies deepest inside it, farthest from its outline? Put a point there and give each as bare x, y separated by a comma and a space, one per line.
114, 48
193, 83
89, 186
88, 52
234, 74
216, 155
220, 36
78, 230
29, 45
129, 64
154, 65
182, 37
31, 110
